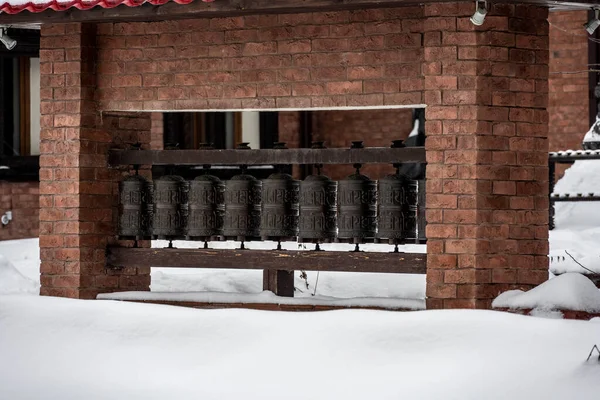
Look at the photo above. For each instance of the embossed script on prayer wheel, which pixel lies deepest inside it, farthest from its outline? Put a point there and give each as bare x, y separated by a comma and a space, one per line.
279, 211
242, 207
357, 207
170, 207
206, 207
410, 216
392, 208
135, 203
318, 212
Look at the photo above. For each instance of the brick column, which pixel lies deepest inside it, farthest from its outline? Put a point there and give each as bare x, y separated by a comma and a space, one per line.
77, 189
487, 90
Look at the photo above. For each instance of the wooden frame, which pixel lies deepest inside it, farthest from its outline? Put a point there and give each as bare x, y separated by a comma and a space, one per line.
199, 128
286, 260
24, 106
372, 155
227, 8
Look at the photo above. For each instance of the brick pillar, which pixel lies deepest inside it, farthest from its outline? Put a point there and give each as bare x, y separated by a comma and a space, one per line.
487, 141
77, 189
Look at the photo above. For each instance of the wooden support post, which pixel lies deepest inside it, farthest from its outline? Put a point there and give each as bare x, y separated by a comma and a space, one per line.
279, 282
421, 221
551, 171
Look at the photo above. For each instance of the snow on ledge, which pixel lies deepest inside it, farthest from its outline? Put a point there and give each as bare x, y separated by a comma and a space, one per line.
571, 291
267, 297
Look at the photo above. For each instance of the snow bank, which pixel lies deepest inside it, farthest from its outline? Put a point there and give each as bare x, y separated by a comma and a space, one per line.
12, 281
571, 291
54, 348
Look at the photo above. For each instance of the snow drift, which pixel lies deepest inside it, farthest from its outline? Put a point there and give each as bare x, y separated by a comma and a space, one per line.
54, 348
12, 281
571, 291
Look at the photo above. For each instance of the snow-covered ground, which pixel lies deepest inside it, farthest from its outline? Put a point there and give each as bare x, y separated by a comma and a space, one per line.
70, 349
55, 348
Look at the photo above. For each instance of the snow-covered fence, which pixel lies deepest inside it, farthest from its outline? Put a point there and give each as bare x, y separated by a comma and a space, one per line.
568, 157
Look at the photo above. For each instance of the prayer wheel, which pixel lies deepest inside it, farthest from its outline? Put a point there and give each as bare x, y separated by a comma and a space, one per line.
318, 213
242, 207
357, 207
135, 203
392, 207
410, 216
170, 207
280, 208
206, 207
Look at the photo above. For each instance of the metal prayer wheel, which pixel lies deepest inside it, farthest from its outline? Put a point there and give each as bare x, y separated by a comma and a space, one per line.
242, 207
135, 203
280, 208
318, 212
357, 207
421, 220
410, 216
206, 207
392, 206
170, 207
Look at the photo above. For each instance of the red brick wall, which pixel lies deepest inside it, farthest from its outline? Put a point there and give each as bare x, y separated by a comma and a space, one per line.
487, 190
377, 128
349, 58
23, 199
568, 103
78, 192
156, 131
486, 89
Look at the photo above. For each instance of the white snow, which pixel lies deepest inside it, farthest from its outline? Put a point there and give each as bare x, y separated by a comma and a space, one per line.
13, 279
593, 135
71, 349
577, 224
570, 291
330, 285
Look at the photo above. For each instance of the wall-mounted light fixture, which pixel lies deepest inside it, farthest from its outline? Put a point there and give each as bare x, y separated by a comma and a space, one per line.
480, 12
6, 40
593, 23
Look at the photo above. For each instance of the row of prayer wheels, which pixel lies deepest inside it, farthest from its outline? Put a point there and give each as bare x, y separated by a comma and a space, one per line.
279, 208
317, 209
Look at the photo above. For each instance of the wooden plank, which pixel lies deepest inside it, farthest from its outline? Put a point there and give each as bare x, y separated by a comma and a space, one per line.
567, 157
279, 282
198, 9
343, 261
372, 155
583, 197
265, 306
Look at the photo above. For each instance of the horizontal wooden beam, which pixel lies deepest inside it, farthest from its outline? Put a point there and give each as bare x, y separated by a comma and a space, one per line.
371, 155
295, 307
290, 260
569, 156
198, 9
575, 198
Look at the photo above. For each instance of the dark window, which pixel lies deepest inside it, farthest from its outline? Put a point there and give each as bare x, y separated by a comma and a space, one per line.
223, 130
14, 106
